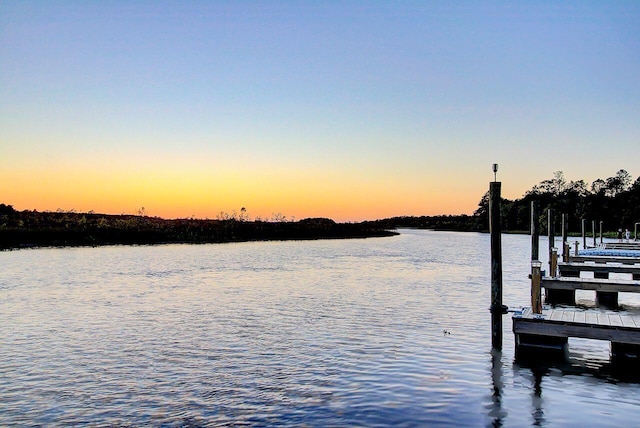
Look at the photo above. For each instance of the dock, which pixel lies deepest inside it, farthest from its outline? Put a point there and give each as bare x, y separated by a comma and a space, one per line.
551, 329
607, 270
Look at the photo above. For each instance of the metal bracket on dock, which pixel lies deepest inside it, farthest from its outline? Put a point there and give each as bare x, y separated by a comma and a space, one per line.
502, 309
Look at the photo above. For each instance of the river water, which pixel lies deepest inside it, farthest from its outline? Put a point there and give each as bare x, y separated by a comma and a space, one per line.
369, 332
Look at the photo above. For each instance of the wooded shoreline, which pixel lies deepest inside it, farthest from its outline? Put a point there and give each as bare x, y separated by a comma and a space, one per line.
29, 229
615, 202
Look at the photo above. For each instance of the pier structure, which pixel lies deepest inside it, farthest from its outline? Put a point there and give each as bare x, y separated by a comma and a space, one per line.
607, 270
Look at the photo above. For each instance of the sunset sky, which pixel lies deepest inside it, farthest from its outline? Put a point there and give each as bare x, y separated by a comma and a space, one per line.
351, 110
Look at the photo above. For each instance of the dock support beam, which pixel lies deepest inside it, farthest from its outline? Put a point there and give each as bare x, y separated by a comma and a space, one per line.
534, 346
625, 352
497, 308
607, 299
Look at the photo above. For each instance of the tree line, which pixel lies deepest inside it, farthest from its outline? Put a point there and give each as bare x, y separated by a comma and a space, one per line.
21, 229
615, 201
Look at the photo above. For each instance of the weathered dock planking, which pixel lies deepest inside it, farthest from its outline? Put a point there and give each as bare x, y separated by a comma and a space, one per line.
605, 259
596, 284
573, 322
551, 329
600, 270
543, 328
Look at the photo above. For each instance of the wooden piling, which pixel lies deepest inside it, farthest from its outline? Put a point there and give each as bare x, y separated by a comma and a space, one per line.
495, 230
536, 274
551, 233
593, 232
536, 293
601, 238
584, 233
565, 234
535, 230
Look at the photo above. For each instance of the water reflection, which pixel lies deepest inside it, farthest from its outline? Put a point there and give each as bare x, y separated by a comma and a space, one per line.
537, 413
496, 412
324, 333
584, 357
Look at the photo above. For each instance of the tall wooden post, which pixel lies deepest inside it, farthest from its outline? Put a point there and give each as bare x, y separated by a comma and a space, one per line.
601, 238
536, 295
496, 264
551, 233
593, 232
584, 233
565, 234
535, 230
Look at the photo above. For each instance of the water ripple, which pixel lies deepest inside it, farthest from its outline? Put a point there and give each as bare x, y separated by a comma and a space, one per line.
384, 332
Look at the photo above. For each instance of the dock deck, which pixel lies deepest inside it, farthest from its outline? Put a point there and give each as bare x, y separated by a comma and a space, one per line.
607, 271
614, 326
597, 284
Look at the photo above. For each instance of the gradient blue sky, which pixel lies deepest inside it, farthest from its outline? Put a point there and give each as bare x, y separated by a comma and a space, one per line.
345, 109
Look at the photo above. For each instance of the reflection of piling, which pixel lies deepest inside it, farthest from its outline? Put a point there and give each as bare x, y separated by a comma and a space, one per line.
497, 308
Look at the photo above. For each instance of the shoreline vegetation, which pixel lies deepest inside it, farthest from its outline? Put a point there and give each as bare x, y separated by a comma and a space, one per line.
32, 229
615, 202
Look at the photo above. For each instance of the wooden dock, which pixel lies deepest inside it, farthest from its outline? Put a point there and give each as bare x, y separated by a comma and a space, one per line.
601, 269
550, 330
600, 324
608, 272
596, 284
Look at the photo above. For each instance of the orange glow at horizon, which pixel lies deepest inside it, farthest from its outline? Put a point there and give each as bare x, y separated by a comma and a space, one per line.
203, 192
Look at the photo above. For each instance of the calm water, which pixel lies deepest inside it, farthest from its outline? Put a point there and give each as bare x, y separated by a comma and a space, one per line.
375, 332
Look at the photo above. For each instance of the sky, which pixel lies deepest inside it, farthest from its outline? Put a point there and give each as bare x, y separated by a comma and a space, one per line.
352, 110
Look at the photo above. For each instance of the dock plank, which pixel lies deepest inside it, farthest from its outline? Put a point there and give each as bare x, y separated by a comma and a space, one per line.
611, 326
567, 316
602, 268
580, 317
591, 317
556, 315
628, 321
603, 319
614, 320
607, 285
604, 259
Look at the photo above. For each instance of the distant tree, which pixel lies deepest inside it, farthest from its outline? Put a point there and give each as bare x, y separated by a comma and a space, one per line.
598, 186
555, 186
243, 215
618, 184
6, 209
